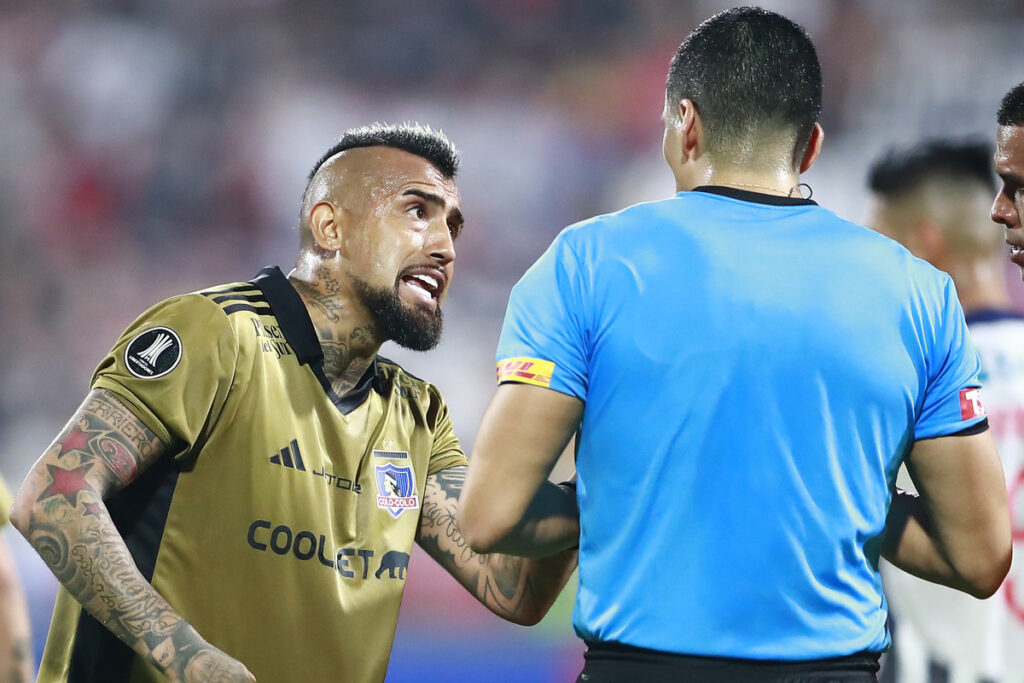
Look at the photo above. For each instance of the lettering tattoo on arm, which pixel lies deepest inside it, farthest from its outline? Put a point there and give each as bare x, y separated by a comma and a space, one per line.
103, 449
515, 588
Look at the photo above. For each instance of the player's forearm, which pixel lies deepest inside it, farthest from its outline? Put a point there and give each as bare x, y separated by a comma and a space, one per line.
522, 589
912, 543
84, 550
518, 589
15, 633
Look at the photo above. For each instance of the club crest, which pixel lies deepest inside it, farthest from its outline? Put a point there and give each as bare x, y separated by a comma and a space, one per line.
396, 488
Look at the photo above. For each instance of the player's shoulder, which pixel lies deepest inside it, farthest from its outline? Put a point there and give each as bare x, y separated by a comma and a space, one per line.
409, 385
203, 313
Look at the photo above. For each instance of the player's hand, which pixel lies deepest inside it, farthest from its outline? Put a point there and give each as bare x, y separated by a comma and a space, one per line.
211, 665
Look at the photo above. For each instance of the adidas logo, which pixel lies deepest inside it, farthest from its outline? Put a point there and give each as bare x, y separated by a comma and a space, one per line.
290, 457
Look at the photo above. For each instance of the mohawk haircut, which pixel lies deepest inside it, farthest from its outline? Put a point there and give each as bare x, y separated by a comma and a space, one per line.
748, 71
1011, 109
900, 171
423, 141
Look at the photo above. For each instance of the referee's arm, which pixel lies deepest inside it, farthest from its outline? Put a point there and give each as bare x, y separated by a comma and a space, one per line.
507, 505
956, 532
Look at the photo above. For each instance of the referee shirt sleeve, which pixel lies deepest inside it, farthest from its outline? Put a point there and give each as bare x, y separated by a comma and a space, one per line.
952, 399
543, 339
181, 399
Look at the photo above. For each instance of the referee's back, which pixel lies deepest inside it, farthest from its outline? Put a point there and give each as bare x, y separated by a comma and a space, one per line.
755, 370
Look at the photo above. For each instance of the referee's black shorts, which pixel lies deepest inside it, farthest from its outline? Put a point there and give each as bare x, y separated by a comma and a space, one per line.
617, 663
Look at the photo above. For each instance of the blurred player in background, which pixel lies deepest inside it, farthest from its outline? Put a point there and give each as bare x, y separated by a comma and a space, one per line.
241, 489
746, 371
934, 199
15, 633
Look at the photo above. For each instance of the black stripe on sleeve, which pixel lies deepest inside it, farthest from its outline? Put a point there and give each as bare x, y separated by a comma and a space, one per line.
256, 298
977, 428
140, 515
260, 310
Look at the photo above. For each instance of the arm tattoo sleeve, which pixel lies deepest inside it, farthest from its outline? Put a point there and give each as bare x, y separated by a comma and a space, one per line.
103, 448
515, 588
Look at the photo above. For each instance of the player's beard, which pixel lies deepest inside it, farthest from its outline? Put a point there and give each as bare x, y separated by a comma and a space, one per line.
408, 326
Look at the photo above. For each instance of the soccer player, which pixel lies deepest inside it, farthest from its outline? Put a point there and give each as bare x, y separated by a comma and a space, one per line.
746, 372
1008, 207
933, 198
238, 495
15, 633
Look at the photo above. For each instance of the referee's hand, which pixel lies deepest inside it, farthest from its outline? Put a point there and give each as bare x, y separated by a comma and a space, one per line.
213, 666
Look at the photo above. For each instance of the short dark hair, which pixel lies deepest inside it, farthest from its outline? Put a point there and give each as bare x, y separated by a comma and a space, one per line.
423, 141
744, 68
1011, 109
903, 170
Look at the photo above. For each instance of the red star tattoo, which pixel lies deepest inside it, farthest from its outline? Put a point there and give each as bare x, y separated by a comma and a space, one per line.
92, 509
67, 483
77, 440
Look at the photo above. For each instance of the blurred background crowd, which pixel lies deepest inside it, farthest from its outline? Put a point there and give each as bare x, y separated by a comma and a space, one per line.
153, 147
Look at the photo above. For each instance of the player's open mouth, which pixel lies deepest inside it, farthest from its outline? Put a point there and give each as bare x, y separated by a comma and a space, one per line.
1017, 255
423, 286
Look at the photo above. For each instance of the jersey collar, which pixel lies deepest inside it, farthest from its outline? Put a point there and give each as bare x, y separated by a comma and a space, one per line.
300, 334
755, 197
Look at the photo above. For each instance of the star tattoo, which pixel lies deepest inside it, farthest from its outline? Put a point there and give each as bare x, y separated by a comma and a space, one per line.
67, 483
92, 509
77, 440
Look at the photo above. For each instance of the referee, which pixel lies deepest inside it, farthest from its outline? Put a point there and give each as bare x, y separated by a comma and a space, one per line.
746, 371
238, 495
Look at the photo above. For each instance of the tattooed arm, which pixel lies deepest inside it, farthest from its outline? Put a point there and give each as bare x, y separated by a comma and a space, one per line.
15, 636
519, 589
60, 510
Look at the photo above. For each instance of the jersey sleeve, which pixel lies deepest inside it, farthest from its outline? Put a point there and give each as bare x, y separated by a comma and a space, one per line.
173, 368
5, 504
952, 398
446, 451
543, 338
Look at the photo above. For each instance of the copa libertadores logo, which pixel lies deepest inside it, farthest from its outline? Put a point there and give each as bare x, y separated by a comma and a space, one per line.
153, 353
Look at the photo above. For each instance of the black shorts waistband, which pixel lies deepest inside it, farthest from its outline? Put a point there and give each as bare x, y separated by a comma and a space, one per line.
858, 666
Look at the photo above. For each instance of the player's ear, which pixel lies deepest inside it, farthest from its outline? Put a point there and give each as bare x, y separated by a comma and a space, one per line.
813, 147
325, 225
692, 130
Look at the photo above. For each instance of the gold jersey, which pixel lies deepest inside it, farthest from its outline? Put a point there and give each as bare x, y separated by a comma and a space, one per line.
282, 526
5, 504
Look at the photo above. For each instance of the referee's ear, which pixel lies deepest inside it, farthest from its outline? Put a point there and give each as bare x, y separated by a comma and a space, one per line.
325, 226
813, 147
691, 129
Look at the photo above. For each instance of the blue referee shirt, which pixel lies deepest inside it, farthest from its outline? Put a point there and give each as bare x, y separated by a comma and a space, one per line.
754, 370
